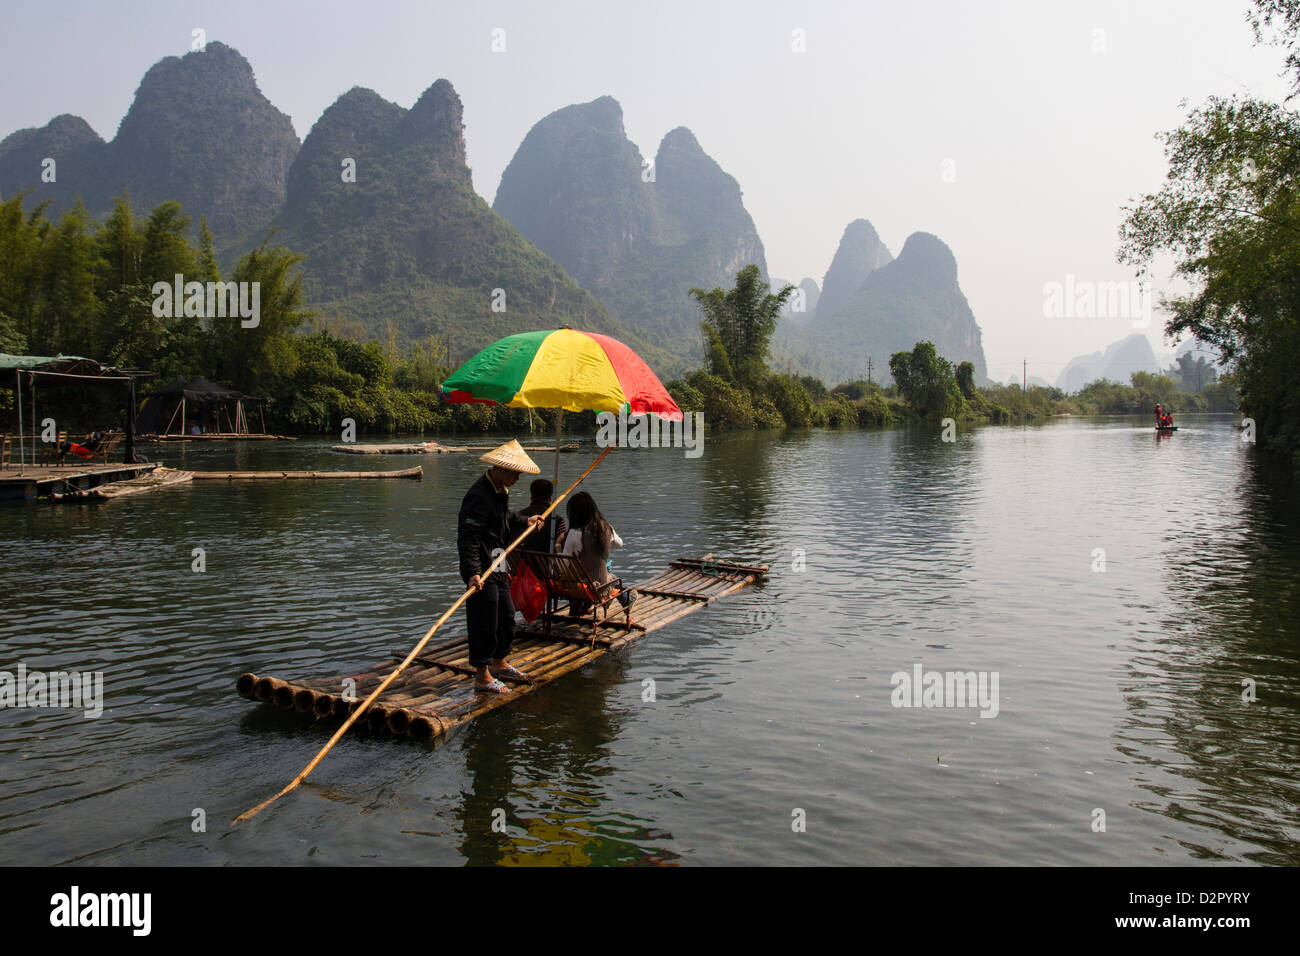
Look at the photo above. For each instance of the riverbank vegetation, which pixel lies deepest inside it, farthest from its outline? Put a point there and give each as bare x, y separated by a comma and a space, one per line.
81, 288
1229, 215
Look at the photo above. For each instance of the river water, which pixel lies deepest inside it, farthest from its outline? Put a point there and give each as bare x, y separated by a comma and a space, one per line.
1123, 732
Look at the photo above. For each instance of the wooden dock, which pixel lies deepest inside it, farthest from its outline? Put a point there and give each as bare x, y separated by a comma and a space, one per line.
33, 481
436, 693
433, 448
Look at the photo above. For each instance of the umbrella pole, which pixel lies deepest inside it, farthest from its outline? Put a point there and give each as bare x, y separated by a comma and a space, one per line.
555, 525
559, 418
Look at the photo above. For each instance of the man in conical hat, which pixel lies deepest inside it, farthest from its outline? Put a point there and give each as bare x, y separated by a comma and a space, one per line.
484, 527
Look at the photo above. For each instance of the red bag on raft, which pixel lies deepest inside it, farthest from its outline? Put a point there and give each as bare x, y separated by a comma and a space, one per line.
527, 594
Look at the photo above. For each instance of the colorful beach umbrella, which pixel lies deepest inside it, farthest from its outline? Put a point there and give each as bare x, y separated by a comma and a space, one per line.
562, 368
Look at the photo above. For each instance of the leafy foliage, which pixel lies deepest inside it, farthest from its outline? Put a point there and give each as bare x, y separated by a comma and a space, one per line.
1229, 212
1193, 374
927, 382
738, 326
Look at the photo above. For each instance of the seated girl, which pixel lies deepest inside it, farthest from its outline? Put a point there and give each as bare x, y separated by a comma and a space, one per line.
590, 538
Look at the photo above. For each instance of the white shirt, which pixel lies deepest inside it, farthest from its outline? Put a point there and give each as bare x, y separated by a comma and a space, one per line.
573, 541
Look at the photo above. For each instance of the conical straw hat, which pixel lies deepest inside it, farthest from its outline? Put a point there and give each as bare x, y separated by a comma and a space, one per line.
511, 455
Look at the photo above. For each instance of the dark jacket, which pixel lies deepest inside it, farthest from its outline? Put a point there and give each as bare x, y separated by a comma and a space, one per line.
541, 540
484, 525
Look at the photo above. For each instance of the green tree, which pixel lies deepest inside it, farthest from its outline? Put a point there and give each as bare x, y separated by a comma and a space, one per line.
68, 313
207, 258
791, 397
11, 340
966, 380
1193, 374
738, 326
119, 249
926, 382
1229, 214
132, 257
261, 358
22, 237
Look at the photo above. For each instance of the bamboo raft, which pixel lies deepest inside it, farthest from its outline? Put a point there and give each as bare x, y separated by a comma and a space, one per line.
416, 473
433, 448
160, 477
217, 436
436, 693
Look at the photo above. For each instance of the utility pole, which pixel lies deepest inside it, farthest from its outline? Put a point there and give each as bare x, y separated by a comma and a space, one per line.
868, 370
1024, 388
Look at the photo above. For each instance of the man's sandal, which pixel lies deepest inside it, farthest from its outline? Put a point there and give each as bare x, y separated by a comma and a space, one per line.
493, 686
506, 670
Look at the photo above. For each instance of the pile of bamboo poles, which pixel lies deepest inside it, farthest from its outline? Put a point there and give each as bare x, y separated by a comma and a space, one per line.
417, 473
434, 448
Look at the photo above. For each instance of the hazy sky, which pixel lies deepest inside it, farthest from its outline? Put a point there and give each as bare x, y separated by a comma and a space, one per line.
1014, 131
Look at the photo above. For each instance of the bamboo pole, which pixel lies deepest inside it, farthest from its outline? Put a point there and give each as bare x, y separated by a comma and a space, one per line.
559, 420
352, 718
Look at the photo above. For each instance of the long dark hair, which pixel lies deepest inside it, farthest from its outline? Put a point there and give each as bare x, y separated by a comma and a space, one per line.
584, 516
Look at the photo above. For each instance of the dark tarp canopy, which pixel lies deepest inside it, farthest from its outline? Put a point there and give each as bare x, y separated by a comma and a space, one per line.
201, 390
180, 406
58, 369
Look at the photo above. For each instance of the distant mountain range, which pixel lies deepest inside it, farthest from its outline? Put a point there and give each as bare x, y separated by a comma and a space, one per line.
873, 305
199, 131
409, 243
1116, 363
378, 197
797, 311
583, 231
639, 235
1033, 382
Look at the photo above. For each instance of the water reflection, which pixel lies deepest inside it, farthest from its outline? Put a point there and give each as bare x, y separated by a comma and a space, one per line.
538, 766
1219, 762
974, 555
738, 475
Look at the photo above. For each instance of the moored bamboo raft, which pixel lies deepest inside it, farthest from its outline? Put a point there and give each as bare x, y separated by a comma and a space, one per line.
433, 448
217, 436
436, 693
160, 477
417, 473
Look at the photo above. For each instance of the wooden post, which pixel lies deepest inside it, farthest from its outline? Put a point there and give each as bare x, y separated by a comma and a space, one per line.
130, 423
175, 411
18, 390
31, 381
